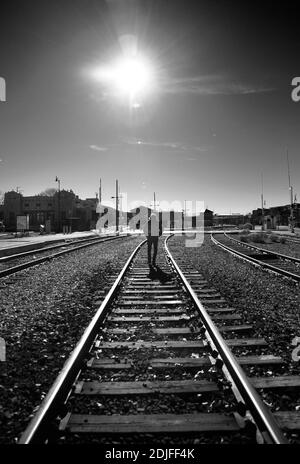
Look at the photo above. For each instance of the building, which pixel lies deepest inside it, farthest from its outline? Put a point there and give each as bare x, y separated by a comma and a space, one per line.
12, 207
276, 216
208, 218
235, 219
62, 211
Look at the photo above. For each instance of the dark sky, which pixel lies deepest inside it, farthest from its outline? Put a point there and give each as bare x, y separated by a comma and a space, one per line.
221, 112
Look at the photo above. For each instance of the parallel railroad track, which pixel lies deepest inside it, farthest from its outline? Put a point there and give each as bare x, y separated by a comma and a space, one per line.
14, 263
291, 239
287, 266
152, 363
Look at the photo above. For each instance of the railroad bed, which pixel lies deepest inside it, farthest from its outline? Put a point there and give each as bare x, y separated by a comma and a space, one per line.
291, 239
14, 263
153, 368
286, 266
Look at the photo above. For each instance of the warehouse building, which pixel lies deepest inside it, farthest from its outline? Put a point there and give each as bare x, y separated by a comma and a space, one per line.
63, 211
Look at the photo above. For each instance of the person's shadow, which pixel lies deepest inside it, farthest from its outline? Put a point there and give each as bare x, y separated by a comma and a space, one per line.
158, 274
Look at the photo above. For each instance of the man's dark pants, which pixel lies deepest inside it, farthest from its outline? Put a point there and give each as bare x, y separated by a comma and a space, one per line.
152, 241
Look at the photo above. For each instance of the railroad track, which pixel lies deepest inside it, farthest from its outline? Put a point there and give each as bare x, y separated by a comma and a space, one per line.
291, 239
14, 263
287, 266
152, 365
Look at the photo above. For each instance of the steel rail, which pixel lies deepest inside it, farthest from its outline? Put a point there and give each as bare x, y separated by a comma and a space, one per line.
290, 238
264, 419
263, 250
59, 391
4, 259
257, 262
21, 267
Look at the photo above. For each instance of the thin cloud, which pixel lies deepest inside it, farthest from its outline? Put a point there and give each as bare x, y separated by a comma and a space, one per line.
97, 148
211, 85
166, 146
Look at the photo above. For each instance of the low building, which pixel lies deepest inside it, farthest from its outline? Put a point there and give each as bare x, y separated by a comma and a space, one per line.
62, 211
276, 216
235, 219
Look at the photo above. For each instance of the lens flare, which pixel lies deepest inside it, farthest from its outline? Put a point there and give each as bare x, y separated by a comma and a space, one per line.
132, 76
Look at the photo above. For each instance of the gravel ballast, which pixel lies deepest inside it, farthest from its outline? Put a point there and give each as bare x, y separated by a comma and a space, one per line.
43, 313
287, 248
271, 303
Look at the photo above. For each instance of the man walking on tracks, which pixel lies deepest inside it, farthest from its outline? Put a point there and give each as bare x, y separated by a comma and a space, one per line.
153, 230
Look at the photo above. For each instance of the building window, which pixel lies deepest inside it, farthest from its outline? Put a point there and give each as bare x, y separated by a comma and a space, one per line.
40, 218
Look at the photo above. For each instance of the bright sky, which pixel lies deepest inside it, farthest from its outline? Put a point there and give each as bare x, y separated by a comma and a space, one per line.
217, 113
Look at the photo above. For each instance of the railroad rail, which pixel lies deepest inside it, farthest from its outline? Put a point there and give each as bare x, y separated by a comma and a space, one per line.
286, 266
72, 246
46, 247
150, 335
291, 239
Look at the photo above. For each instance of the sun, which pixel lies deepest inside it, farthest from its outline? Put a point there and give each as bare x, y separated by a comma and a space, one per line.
129, 77
132, 76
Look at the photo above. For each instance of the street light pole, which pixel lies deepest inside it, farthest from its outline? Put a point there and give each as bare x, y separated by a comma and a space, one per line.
59, 215
117, 197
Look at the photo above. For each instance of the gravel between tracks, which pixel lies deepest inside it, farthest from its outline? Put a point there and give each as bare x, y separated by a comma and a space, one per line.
269, 302
43, 313
287, 248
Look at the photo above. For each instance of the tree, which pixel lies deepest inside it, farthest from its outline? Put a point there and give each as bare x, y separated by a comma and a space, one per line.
48, 192
1, 197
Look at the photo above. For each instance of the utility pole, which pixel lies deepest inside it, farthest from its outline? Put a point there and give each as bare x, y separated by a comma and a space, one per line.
291, 195
154, 202
100, 192
183, 214
59, 215
117, 205
262, 203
